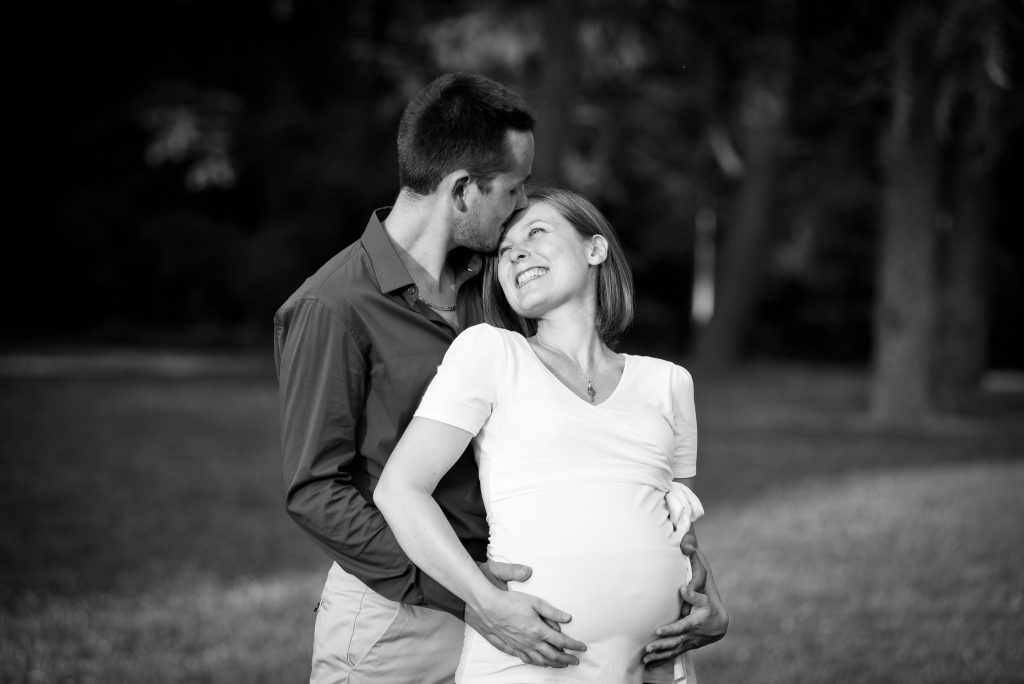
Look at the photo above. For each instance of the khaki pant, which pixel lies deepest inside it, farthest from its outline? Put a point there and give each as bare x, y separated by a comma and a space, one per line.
363, 638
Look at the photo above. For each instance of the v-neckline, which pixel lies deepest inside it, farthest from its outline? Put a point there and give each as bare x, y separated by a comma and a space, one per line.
558, 381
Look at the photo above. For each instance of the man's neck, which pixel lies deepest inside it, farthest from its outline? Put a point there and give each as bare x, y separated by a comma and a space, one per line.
421, 232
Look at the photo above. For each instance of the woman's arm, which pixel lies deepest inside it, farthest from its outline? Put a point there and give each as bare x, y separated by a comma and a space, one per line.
427, 450
404, 494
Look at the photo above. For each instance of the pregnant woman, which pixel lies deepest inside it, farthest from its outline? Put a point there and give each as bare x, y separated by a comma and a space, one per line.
585, 456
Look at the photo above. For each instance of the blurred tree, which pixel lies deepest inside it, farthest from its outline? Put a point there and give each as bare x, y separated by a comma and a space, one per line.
906, 304
948, 118
559, 69
199, 159
977, 110
760, 120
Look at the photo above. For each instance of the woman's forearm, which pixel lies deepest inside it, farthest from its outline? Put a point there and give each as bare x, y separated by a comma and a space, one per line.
430, 542
427, 450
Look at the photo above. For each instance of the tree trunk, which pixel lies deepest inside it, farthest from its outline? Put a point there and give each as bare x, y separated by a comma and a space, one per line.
905, 299
763, 119
963, 321
558, 77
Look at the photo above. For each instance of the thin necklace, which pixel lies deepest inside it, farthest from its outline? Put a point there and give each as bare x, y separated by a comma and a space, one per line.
436, 307
591, 392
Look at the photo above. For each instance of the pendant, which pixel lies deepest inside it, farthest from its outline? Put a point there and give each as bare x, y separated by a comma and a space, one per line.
591, 391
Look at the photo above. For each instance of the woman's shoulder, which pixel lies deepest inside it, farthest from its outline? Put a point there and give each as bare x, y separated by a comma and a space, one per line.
655, 364
486, 336
657, 372
487, 332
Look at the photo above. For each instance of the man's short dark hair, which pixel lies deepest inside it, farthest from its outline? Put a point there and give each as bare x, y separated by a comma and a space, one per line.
457, 121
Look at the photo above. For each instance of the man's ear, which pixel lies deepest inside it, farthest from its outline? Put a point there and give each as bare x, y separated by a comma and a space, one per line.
458, 189
597, 250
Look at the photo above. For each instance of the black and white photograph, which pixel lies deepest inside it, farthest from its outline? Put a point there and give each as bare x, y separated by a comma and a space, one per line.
549, 342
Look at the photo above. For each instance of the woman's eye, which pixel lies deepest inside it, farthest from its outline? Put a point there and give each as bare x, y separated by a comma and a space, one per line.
502, 251
534, 231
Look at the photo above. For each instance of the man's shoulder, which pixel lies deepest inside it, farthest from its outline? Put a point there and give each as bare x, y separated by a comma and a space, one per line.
340, 282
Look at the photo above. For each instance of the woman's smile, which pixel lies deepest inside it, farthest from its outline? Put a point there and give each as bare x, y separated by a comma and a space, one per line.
530, 274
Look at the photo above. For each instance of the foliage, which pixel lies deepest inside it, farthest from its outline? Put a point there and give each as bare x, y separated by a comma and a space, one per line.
201, 159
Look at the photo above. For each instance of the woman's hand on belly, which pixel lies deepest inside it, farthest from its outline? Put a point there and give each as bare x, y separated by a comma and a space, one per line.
524, 625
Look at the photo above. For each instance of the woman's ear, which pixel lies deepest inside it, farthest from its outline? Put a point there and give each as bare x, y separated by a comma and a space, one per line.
597, 250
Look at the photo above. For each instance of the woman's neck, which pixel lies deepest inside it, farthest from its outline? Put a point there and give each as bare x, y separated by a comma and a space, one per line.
575, 337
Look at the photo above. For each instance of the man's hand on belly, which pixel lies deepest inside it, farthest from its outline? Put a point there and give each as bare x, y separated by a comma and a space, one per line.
522, 625
703, 618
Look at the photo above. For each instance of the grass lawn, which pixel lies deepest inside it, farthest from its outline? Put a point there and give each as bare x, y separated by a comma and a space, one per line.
144, 537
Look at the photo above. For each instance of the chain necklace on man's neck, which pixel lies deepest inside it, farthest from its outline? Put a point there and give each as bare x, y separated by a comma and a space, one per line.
591, 392
436, 307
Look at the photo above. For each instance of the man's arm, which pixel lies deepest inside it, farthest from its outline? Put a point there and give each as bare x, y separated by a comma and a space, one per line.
322, 374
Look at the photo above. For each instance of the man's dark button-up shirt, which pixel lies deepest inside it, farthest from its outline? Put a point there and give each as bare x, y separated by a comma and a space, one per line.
355, 350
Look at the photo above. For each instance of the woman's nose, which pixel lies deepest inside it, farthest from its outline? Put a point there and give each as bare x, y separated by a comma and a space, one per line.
518, 254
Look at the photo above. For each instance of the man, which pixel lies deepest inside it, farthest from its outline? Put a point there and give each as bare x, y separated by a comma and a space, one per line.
356, 346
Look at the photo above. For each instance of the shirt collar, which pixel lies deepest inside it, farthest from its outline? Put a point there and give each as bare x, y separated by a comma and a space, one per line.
388, 267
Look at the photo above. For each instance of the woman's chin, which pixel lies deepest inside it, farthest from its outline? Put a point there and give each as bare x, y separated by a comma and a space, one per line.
527, 311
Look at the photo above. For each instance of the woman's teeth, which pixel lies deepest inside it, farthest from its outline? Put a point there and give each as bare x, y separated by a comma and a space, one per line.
528, 275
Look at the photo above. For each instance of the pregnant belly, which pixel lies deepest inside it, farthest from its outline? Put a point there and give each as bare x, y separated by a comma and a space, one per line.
613, 598
605, 552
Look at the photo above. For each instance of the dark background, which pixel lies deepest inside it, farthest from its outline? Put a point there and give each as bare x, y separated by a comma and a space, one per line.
194, 161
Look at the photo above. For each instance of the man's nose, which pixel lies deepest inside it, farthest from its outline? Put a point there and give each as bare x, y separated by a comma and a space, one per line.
521, 200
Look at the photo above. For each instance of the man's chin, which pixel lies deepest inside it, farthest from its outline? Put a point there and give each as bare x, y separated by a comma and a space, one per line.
479, 244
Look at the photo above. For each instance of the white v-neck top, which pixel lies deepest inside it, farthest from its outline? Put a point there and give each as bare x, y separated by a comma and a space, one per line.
580, 492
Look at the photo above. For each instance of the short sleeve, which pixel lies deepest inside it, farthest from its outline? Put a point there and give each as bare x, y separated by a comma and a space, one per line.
463, 392
684, 424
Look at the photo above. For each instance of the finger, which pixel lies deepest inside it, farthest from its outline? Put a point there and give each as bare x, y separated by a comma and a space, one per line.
564, 642
549, 612
688, 544
502, 646
692, 597
655, 659
510, 572
679, 627
546, 655
667, 649
553, 625
698, 579
664, 644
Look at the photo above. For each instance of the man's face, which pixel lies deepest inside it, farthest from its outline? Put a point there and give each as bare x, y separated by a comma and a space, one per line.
481, 228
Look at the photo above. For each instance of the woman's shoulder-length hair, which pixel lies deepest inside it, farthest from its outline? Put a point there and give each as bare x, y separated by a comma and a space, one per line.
615, 304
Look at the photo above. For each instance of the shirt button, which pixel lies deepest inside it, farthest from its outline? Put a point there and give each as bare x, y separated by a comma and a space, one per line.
411, 290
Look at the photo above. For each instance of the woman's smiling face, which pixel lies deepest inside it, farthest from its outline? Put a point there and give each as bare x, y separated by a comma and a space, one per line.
543, 262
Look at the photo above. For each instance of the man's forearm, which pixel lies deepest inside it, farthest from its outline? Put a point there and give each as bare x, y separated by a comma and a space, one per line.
355, 535
322, 372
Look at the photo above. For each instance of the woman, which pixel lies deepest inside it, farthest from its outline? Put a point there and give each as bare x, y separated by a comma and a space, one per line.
585, 455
